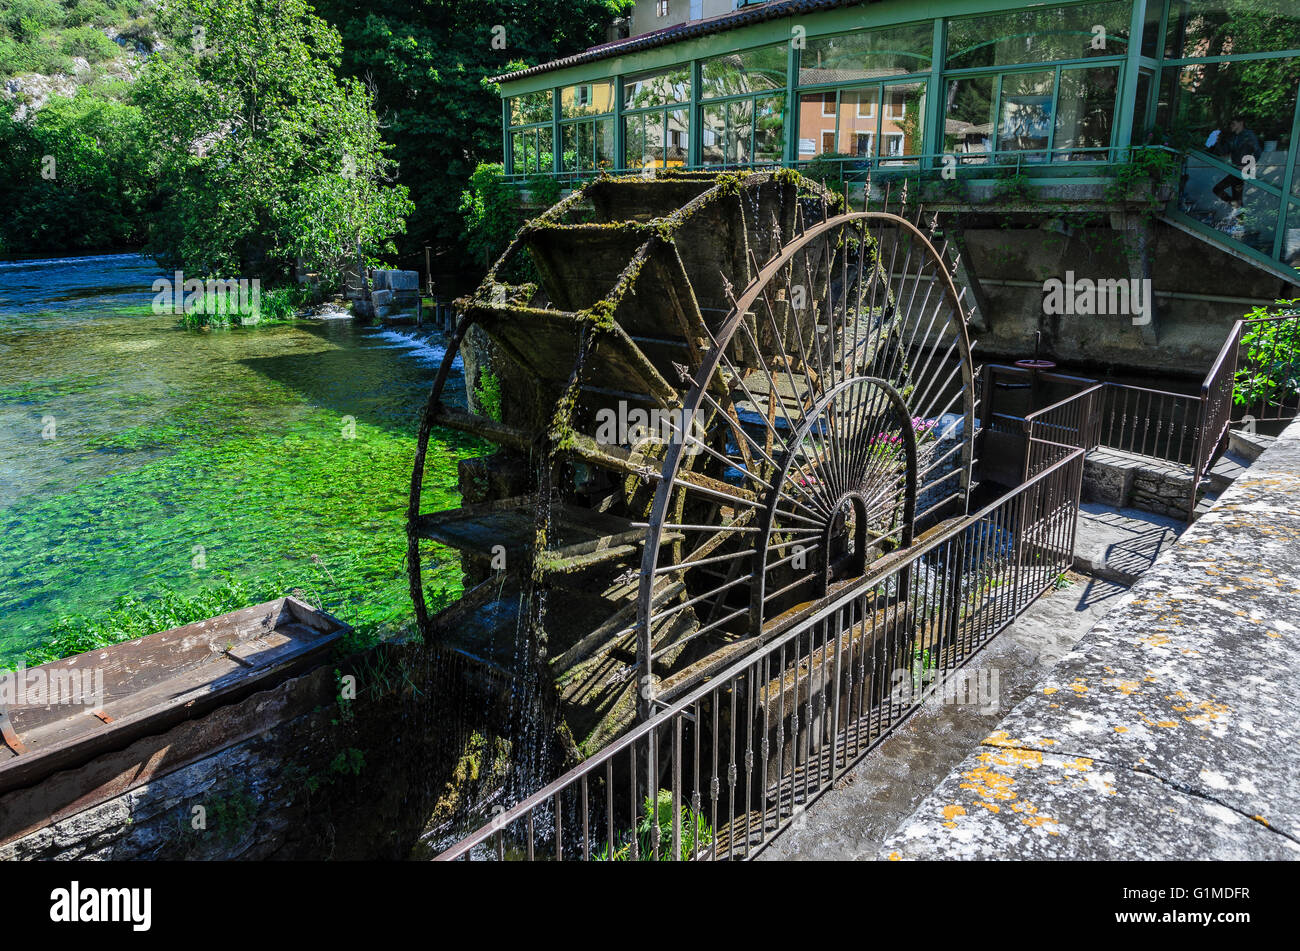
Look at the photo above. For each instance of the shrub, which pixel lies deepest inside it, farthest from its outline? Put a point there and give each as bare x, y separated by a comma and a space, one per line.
88, 42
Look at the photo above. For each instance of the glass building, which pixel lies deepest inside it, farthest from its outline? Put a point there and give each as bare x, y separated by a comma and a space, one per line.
1057, 92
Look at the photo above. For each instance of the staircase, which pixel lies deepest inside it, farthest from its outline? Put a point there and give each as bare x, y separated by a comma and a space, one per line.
1121, 480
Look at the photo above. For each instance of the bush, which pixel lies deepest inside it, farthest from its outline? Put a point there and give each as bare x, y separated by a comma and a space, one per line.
491, 210
30, 19
657, 823
1269, 362
88, 42
90, 11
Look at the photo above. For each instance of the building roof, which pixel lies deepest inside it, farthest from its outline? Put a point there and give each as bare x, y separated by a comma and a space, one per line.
689, 30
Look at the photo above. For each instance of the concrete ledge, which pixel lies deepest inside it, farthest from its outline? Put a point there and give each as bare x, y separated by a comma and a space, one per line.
1170, 731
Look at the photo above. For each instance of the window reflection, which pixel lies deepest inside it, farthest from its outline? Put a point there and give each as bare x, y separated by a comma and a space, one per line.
1025, 119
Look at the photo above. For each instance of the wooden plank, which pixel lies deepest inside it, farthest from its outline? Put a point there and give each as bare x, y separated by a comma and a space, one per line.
148, 684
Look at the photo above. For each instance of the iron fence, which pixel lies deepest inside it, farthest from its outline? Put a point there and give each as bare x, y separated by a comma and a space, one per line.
1072, 423
725, 768
1155, 423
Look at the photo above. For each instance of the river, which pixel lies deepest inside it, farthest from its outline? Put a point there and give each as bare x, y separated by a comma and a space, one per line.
142, 463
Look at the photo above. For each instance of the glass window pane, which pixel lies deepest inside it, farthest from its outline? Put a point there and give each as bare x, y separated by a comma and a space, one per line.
713, 130
1230, 204
902, 119
859, 122
1231, 27
1262, 93
604, 143
866, 55
586, 99
740, 131
769, 128
635, 141
1151, 29
816, 124
530, 108
585, 162
748, 71
1085, 106
1291, 240
678, 149
1141, 113
569, 158
1025, 118
968, 119
1039, 35
657, 89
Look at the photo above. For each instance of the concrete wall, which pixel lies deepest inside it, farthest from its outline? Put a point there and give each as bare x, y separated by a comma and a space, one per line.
288, 773
1199, 290
1169, 731
645, 18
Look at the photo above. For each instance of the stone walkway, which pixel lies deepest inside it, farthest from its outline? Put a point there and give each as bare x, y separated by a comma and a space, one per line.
1170, 731
1120, 544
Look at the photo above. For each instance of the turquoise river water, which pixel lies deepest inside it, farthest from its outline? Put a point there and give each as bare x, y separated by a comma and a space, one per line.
138, 458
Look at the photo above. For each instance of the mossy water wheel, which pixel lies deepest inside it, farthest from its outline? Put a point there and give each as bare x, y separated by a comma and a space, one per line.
646, 465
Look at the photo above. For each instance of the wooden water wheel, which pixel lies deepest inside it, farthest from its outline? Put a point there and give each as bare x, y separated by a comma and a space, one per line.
686, 468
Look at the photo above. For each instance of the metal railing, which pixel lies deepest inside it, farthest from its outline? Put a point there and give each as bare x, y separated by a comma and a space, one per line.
990, 166
1068, 424
722, 770
1158, 424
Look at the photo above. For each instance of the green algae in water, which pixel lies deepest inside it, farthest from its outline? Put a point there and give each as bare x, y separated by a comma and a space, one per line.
194, 473
311, 510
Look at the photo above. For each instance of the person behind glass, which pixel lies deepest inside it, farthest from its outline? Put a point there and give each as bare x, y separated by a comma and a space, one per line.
1238, 143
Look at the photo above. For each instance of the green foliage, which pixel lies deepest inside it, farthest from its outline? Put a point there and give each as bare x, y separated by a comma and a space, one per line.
232, 815
88, 42
1145, 167
544, 190
429, 63
1269, 361
72, 176
221, 310
42, 36
491, 210
265, 155
1013, 187
657, 823
132, 617
827, 169
349, 762
488, 390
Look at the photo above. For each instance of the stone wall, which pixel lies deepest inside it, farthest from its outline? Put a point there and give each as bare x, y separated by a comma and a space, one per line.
1169, 731
1125, 481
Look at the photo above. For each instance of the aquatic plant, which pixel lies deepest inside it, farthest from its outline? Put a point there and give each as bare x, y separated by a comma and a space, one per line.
657, 823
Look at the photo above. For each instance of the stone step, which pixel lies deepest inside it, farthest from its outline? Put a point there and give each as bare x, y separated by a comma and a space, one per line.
1227, 469
1119, 544
1248, 445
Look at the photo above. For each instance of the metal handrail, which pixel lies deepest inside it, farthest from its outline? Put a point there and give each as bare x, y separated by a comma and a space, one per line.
1000, 161
673, 714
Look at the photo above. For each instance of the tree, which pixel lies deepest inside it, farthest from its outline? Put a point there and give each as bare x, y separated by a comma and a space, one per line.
72, 176
264, 154
429, 60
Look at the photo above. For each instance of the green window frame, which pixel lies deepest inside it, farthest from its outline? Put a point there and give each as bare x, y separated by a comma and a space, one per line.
587, 116
530, 135
656, 118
